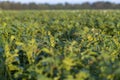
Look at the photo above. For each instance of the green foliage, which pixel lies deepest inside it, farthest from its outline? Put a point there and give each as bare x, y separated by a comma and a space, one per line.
61, 45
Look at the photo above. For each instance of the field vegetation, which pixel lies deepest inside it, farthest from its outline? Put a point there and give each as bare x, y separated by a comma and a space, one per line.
60, 45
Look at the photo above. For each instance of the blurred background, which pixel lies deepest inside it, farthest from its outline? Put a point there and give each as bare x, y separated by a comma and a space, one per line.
58, 4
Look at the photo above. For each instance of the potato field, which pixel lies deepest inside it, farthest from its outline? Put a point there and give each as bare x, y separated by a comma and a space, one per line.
60, 45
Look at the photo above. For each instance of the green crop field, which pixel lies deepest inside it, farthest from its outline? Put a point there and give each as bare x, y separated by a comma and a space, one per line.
60, 45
